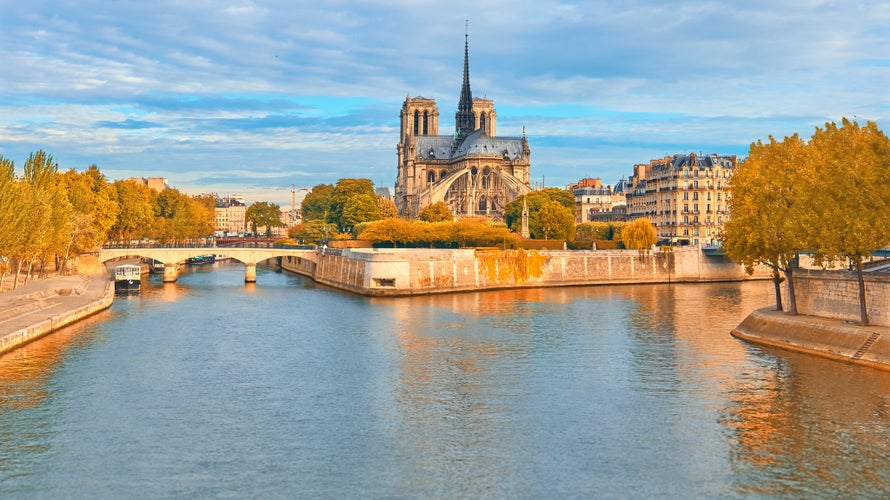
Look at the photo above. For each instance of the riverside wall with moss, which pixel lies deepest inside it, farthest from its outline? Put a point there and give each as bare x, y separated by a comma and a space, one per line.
399, 272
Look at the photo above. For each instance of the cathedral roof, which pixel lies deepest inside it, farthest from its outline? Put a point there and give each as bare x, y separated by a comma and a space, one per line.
481, 144
439, 147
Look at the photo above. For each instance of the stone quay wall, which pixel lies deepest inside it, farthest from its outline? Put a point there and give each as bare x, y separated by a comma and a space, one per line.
835, 294
96, 302
397, 272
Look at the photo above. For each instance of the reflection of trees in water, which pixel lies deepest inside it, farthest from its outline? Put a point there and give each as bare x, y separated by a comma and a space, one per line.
25, 376
809, 425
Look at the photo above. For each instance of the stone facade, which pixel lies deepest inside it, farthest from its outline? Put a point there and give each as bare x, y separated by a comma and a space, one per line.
473, 170
393, 272
231, 216
593, 201
686, 197
835, 294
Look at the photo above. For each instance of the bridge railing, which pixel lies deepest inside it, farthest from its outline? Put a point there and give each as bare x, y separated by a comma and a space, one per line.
245, 244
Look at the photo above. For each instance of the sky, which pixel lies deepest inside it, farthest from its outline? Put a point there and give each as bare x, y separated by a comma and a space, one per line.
263, 97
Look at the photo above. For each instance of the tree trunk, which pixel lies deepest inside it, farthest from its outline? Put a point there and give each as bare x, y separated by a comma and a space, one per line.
863, 309
792, 300
777, 281
18, 272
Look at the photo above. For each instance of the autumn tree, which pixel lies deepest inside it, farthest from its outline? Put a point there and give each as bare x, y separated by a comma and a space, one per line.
395, 231
95, 209
639, 234
770, 200
51, 238
136, 211
556, 221
436, 212
850, 215
13, 218
387, 208
536, 200
263, 214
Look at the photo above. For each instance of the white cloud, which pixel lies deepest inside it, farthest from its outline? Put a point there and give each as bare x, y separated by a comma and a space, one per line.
187, 87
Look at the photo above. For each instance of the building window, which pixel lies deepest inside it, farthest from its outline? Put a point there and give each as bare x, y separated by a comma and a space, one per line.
416, 122
695, 195
685, 195
426, 123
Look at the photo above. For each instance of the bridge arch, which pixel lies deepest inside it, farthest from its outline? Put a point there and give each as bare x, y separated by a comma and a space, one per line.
171, 257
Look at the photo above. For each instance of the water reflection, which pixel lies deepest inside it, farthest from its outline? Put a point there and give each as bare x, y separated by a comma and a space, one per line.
571, 392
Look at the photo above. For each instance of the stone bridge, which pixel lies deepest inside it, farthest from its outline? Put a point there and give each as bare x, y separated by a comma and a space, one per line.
172, 257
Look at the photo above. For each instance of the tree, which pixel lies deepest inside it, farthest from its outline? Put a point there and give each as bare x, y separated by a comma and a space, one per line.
639, 234
136, 214
556, 221
13, 218
52, 238
536, 200
343, 191
850, 216
770, 199
359, 208
261, 214
387, 208
437, 212
95, 210
394, 231
318, 203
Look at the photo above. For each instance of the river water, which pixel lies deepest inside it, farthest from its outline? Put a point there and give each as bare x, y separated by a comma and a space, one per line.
287, 389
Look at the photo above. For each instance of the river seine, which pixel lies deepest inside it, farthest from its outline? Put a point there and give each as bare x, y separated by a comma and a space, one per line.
210, 388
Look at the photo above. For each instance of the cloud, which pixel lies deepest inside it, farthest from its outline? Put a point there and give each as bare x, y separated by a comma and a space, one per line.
206, 91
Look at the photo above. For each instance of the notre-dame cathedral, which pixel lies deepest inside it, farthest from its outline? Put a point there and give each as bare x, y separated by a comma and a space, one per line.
473, 171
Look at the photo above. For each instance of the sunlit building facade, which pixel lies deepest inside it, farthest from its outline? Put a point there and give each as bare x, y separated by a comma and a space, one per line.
686, 197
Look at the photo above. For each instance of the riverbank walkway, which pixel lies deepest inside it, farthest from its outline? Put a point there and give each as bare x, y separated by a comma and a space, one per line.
44, 305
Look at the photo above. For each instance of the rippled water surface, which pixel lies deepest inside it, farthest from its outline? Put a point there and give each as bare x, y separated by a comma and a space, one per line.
212, 388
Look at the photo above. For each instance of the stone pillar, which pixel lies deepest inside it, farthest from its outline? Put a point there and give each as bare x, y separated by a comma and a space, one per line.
250, 272
170, 272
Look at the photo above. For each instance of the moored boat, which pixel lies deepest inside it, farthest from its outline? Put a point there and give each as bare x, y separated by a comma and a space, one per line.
201, 259
127, 277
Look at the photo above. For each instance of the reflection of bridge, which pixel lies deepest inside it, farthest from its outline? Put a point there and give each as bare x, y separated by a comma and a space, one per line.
172, 256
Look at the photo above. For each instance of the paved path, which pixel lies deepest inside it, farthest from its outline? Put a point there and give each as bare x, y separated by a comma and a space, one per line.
40, 299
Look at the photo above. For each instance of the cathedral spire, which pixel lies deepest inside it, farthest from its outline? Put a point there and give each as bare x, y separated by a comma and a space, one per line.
464, 122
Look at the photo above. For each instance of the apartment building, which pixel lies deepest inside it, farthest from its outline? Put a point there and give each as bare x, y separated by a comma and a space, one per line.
594, 201
686, 197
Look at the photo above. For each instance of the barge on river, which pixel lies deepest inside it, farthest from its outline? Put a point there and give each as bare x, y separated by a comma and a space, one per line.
127, 278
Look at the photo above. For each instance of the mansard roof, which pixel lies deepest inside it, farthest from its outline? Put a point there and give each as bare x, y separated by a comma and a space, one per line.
707, 161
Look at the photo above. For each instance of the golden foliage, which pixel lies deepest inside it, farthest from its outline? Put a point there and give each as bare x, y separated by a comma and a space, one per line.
515, 266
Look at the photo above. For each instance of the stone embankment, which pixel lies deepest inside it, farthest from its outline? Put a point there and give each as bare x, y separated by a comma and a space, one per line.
44, 306
828, 321
400, 272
